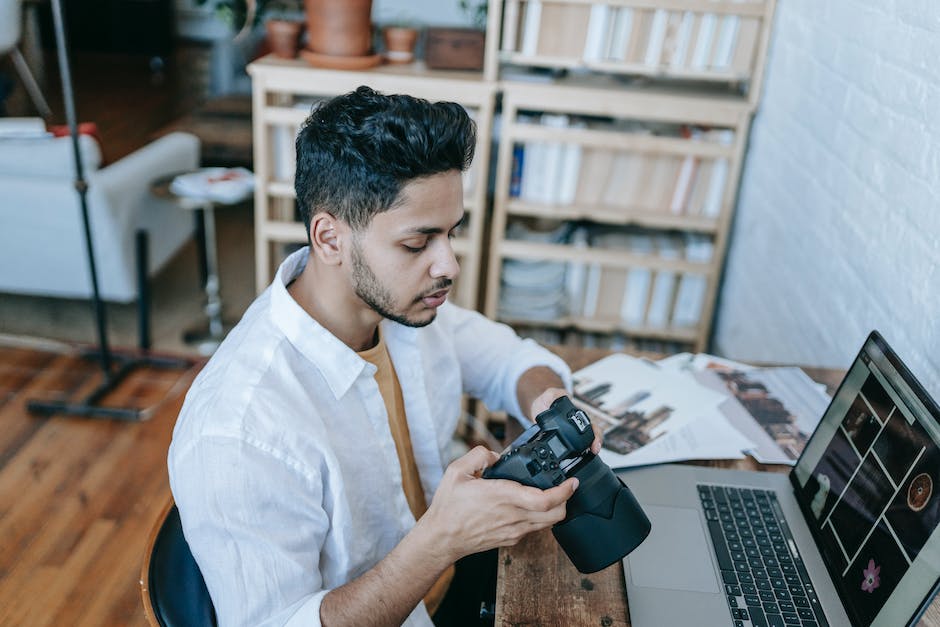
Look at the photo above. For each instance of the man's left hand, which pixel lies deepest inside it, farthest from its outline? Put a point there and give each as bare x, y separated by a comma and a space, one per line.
544, 400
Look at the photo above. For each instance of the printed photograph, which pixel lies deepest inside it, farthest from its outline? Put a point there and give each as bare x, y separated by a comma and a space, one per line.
877, 397
861, 425
770, 412
830, 476
861, 505
874, 575
915, 511
635, 430
899, 445
830, 547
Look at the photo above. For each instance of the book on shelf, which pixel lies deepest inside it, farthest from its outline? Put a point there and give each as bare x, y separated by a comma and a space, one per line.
576, 273
704, 40
680, 49
562, 30
531, 24
657, 35
716, 188
657, 188
554, 151
627, 173
591, 290
515, 175
724, 44
511, 26
664, 284
683, 186
569, 174
639, 282
621, 28
611, 293
592, 180
638, 42
746, 47
690, 298
595, 41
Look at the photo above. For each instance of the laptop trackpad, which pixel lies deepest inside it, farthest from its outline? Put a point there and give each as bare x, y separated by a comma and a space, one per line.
676, 554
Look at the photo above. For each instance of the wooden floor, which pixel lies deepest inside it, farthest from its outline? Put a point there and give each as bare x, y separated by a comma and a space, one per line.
78, 497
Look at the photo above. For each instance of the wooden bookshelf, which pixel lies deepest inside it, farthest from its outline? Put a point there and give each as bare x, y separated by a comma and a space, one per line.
655, 166
686, 41
283, 92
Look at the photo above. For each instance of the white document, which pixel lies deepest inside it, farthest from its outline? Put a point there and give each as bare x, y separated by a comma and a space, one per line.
635, 403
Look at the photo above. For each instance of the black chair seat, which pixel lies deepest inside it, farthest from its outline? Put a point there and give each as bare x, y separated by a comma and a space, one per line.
174, 587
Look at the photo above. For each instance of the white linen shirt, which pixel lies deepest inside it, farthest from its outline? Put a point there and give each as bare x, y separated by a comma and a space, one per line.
282, 462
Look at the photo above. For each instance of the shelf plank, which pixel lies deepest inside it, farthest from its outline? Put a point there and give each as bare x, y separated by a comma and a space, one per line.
619, 140
615, 215
514, 249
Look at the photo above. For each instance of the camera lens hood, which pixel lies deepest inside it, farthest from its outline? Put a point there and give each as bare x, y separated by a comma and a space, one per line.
604, 523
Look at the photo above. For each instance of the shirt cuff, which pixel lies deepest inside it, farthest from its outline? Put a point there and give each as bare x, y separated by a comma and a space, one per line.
307, 613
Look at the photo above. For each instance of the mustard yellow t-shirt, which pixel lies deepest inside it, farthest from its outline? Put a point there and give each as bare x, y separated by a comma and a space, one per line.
390, 389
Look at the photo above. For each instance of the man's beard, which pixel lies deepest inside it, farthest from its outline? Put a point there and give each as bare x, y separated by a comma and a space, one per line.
367, 287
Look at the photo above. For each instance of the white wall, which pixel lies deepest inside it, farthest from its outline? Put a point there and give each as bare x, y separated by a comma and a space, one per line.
838, 221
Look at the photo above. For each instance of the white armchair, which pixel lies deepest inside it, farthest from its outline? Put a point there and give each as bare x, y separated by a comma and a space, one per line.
42, 245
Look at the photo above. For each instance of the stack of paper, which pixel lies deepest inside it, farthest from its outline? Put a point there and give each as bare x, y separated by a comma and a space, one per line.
697, 407
533, 289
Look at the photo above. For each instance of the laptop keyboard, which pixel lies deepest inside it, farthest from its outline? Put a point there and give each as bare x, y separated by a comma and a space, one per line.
766, 584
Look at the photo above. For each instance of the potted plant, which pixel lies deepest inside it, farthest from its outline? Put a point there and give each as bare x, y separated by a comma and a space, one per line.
282, 19
400, 38
341, 28
283, 23
459, 48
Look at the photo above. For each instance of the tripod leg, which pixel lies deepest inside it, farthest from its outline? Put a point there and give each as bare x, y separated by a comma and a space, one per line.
143, 289
30, 83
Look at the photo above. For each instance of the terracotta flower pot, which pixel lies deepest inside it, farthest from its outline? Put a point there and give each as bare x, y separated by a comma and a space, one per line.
400, 43
283, 37
339, 27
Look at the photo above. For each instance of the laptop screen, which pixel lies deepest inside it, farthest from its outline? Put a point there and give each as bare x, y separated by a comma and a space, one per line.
868, 483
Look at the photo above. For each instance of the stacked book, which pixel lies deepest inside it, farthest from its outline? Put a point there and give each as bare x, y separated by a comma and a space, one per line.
533, 289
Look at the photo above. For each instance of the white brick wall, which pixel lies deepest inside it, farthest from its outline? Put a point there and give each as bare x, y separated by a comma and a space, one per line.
838, 220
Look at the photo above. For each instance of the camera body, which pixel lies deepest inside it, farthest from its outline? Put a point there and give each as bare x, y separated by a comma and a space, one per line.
604, 521
535, 458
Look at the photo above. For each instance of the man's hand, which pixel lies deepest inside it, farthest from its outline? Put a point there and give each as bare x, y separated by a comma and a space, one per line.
470, 514
537, 388
544, 400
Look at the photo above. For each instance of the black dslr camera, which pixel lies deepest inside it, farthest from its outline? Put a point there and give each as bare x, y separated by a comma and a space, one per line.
604, 522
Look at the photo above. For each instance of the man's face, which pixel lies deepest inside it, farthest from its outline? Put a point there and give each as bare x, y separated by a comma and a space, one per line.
402, 264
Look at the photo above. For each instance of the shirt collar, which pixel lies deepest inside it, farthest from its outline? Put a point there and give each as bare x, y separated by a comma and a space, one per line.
339, 364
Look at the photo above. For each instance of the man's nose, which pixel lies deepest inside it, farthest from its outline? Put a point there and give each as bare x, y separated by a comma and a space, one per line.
445, 262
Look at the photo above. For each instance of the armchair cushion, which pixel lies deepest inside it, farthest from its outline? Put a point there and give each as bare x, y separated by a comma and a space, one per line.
42, 246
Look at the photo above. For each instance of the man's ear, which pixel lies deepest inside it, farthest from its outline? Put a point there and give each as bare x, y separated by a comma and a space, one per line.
326, 237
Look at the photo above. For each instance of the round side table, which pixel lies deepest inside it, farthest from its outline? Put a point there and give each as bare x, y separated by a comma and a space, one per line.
206, 340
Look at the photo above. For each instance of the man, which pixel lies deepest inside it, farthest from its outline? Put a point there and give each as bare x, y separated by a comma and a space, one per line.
309, 448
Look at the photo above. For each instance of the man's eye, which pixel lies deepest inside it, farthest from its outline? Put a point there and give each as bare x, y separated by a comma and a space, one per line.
413, 249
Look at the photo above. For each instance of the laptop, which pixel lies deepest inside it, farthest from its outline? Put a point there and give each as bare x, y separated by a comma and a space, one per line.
848, 537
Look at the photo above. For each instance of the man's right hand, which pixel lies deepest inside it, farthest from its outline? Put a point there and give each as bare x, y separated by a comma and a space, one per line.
469, 514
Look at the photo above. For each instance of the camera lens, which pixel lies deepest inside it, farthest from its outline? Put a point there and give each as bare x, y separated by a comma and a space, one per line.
604, 521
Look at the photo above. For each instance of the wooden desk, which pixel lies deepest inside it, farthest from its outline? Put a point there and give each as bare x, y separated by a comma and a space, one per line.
538, 585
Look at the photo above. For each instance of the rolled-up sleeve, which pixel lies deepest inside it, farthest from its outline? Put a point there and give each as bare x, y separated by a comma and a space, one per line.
255, 524
492, 358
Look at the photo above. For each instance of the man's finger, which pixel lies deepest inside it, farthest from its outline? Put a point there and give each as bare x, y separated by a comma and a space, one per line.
475, 461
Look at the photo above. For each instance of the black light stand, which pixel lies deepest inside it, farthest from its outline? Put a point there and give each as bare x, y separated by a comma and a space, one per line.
114, 368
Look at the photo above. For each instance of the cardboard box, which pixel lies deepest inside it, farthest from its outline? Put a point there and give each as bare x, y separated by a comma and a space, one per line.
454, 49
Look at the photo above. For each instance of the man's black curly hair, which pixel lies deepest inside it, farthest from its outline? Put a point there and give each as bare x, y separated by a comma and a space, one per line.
355, 152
